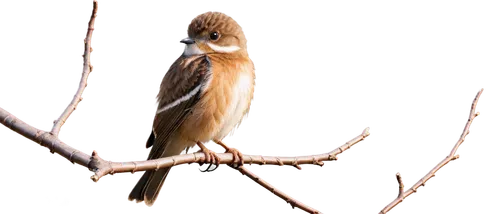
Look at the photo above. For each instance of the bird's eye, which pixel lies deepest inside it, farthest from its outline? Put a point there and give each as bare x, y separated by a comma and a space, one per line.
214, 36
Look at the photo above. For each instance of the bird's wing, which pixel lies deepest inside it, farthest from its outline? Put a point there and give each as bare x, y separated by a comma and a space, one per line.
180, 90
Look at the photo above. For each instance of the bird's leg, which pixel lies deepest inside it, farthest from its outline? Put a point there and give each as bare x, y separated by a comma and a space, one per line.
210, 156
237, 155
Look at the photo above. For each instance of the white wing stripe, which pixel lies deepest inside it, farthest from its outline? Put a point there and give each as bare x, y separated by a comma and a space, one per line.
182, 99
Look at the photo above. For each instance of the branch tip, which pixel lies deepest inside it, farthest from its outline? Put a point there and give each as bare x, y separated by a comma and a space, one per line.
401, 185
94, 178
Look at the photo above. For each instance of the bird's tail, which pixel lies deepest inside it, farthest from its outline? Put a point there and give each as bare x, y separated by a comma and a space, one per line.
148, 187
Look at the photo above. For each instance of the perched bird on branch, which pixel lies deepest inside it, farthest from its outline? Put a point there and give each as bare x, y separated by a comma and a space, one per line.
204, 95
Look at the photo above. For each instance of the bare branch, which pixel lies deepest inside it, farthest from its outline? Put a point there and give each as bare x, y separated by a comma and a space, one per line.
87, 68
445, 161
103, 167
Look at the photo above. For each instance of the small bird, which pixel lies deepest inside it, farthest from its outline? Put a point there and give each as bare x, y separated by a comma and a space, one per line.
204, 95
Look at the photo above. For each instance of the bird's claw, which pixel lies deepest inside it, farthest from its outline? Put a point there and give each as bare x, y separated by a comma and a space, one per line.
210, 156
238, 157
237, 154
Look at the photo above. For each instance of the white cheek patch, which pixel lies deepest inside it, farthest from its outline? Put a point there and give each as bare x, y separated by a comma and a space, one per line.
192, 49
223, 49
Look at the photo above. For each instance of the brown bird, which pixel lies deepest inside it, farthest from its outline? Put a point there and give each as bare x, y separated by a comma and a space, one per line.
204, 95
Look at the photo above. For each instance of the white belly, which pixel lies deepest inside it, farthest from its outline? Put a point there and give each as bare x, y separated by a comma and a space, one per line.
239, 104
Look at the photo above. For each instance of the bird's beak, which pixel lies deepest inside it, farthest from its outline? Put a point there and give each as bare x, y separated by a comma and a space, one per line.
187, 41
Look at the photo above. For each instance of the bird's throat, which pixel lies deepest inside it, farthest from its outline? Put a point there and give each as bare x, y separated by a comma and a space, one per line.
192, 49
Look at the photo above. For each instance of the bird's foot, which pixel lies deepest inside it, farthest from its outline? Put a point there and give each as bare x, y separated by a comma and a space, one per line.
237, 155
210, 156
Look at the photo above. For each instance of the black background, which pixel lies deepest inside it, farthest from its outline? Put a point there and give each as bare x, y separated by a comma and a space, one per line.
412, 70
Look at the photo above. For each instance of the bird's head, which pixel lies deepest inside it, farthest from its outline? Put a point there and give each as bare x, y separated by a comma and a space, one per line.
214, 32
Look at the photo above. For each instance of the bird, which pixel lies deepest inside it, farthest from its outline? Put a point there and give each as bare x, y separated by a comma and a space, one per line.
203, 96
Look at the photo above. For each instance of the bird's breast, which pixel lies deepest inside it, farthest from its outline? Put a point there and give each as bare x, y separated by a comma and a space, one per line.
239, 102
225, 101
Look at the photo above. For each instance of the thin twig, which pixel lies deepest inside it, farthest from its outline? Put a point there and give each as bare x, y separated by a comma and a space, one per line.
445, 161
87, 68
287, 198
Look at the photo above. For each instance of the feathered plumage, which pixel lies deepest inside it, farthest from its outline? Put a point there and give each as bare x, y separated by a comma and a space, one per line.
203, 96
